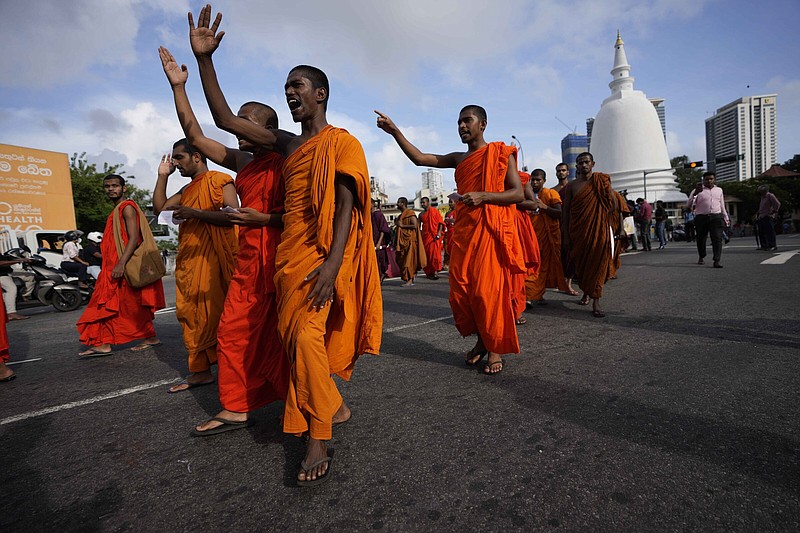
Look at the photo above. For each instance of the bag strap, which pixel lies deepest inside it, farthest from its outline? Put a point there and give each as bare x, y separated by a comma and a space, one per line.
117, 230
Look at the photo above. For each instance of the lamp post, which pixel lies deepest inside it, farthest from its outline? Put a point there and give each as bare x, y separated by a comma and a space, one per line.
521, 153
644, 177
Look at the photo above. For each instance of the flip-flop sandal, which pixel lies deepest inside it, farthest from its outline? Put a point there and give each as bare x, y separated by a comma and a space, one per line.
471, 355
227, 425
584, 301
145, 346
501, 362
598, 314
91, 353
188, 386
321, 479
6, 379
520, 321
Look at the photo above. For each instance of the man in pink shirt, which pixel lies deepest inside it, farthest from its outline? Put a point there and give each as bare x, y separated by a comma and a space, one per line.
710, 216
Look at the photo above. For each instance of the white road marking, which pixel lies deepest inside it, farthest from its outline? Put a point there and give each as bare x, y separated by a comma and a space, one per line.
165, 310
398, 328
71, 405
780, 258
25, 361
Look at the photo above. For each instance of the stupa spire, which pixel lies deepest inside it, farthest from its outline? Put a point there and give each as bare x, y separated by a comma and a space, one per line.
621, 73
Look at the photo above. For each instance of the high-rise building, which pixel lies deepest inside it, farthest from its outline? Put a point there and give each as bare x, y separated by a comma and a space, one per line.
433, 180
377, 191
658, 103
742, 138
589, 128
571, 147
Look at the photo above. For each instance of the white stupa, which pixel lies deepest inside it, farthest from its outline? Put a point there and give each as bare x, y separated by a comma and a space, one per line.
627, 139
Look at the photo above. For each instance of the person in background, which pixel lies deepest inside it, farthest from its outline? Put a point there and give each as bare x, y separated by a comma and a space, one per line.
767, 212
710, 216
661, 224
71, 261
91, 254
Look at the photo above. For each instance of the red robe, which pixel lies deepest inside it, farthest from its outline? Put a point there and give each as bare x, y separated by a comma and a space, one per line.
118, 313
433, 247
253, 367
3, 335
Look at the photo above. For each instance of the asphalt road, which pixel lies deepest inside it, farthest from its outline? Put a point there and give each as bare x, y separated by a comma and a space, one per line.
678, 411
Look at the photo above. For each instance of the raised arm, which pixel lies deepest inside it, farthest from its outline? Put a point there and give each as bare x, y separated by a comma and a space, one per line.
512, 194
160, 200
205, 40
412, 152
215, 151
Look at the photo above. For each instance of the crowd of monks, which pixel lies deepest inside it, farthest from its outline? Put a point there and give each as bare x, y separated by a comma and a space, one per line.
278, 271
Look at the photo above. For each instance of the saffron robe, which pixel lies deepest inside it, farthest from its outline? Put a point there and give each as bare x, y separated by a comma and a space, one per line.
566, 257
118, 313
433, 247
589, 232
449, 222
203, 268
4, 358
410, 248
548, 231
530, 251
486, 252
329, 340
253, 369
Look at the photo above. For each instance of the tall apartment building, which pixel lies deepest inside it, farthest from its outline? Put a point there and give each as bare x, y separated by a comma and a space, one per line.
433, 180
658, 103
571, 147
742, 138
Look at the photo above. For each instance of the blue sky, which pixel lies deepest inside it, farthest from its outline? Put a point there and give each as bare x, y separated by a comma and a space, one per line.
84, 75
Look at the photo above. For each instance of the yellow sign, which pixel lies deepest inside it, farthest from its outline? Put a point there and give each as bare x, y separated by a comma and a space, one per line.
35, 189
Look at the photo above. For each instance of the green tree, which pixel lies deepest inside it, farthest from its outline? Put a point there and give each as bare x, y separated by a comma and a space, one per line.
793, 164
686, 178
91, 205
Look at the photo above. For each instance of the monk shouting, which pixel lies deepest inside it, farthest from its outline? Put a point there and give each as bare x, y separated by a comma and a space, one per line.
327, 281
486, 247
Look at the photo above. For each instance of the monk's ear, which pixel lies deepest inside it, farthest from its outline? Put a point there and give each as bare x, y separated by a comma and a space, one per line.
483, 125
322, 94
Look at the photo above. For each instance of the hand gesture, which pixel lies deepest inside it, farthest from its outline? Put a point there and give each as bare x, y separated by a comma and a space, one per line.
175, 74
184, 212
204, 38
322, 293
118, 271
246, 216
474, 199
385, 123
165, 168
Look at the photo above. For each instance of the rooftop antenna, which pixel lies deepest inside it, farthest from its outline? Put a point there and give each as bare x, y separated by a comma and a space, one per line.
573, 130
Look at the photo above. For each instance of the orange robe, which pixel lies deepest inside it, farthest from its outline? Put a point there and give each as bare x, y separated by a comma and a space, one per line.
530, 251
253, 368
433, 247
203, 268
118, 313
622, 209
486, 252
449, 222
590, 232
327, 341
548, 231
3, 335
410, 248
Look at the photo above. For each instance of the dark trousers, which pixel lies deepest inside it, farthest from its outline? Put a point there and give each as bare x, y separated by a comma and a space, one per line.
713, 224
644, 228
767, 232
73, 267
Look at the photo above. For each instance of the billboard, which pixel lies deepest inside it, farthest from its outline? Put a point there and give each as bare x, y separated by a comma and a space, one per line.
35, 189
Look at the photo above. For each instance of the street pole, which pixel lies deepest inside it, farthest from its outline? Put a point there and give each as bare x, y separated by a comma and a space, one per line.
521, 154
644, 178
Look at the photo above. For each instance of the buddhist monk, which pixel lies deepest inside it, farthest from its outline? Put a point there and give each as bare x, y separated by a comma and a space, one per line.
6, 374
617, 223
589, 204
545, 213
449, 222
562, 175
207, 246
382, 237
118, 313
410, 247
253, 369
432, 230
530, 249
486, 248
327, 282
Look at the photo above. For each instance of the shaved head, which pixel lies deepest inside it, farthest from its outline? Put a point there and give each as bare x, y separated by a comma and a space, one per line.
317, 78
476, 110
265, 115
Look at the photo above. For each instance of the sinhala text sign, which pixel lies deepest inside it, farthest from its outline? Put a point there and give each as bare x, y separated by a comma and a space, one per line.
35, 189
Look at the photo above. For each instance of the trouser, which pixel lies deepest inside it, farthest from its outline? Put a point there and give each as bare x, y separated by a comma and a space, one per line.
644, 228
689, 228
94, 271
713, 224
767, 232
661, 232
73, 267
9, 294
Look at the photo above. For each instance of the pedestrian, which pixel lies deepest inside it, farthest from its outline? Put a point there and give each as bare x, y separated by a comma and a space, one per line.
328, 287
644, 219
768, 209
381, 237
688, 224
661, 224
92, 255
486, 251
9, 288
710, 216
562, 174
432, 229
118, 313
410, 248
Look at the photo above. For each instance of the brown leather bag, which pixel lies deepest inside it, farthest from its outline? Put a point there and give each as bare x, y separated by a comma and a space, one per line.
145, 266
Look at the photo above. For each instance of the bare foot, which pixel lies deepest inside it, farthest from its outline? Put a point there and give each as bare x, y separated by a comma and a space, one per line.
146, 344
96, 350
316, 450
5, 372
342, 415
225, 415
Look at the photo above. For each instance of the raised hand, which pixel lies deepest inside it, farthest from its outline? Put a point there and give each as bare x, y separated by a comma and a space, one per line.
204, 38
165, 167
385, 123
175, 74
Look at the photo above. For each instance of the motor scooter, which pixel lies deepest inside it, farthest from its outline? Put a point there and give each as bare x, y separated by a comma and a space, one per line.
50, 284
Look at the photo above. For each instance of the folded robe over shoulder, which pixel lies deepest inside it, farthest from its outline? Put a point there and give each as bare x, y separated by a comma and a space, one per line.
118, 313
253, 368
433, 247
589, 222
203, 268
486, 252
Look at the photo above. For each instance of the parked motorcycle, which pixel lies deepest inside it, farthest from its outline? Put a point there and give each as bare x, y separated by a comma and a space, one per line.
51, 286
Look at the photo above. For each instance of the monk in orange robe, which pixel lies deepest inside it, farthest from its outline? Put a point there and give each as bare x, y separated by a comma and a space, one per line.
449, 222
6, 374
118, 313
545, 213
589, 204
486, 246
253, 369
410, 247
327, 281
432, 231
207, 247
530, 249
